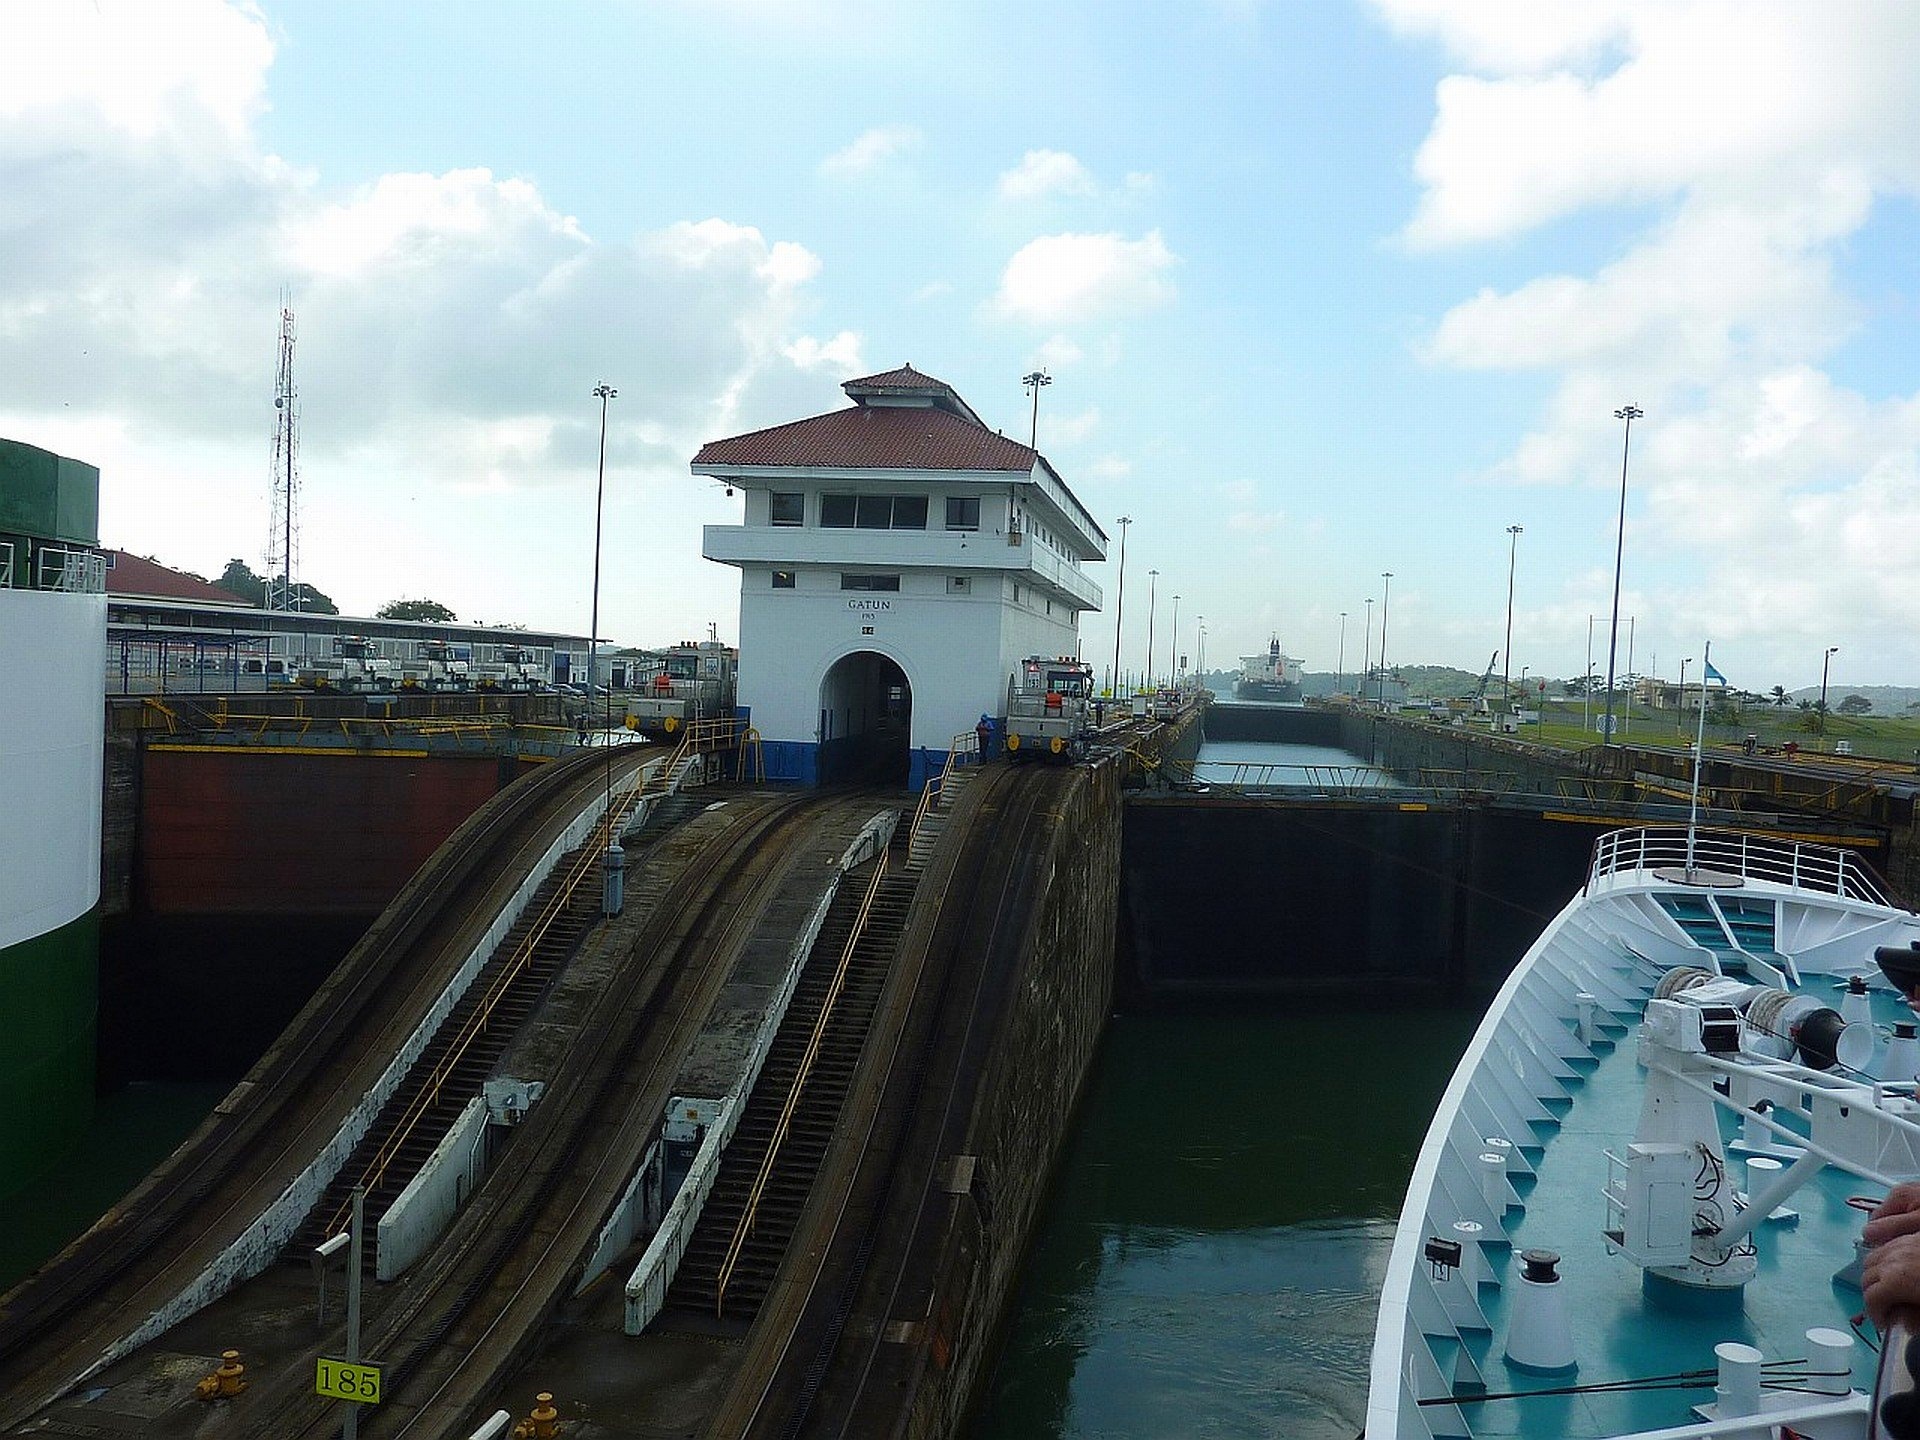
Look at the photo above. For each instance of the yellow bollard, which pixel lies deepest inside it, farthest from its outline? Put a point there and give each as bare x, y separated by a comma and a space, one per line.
226, 1382
543, 1423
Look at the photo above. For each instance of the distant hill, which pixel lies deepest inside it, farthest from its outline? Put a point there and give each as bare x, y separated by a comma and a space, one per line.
1887, 699
1422, 681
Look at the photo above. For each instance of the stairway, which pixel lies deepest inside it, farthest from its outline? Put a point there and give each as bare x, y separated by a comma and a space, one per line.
696, 1285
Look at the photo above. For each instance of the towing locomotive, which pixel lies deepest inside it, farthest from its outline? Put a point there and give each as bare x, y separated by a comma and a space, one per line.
686, 682
1050, 710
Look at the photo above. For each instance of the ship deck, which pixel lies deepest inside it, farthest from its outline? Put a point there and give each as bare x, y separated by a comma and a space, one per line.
1628, 1327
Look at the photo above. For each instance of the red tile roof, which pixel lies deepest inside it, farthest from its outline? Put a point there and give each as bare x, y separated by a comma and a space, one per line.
905, 378
876, 437
135, 578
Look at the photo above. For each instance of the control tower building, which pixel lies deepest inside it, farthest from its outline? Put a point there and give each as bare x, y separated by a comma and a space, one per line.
898, 559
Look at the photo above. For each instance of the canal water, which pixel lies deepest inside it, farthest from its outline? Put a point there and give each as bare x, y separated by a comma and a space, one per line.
134, 1128
1210, 1257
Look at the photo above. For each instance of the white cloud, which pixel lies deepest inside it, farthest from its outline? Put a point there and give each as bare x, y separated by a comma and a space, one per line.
1057, 350
1760, 135
450, 327
1069, 279
1109, 467
1045, 172
1069, 429
839, 357
871, 150
932, 290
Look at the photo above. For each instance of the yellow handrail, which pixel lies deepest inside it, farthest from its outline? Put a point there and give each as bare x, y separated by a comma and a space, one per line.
749, 1215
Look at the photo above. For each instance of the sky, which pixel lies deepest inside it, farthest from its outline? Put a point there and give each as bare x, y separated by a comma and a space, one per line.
1325, 288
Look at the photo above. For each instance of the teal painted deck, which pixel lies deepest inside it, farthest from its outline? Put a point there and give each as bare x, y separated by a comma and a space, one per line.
1625, 1328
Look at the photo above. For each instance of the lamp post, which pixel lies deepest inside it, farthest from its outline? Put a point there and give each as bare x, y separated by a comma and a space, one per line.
603, 392
1340, 665
1506, 662
1120, 602
1628, 413
1825, 660
1036, 381
1153, 582
1200, 652
1366, 653
1386, 602
1173, 667
1684, 659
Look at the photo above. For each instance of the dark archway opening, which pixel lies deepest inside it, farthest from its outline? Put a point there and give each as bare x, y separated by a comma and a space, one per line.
866, 715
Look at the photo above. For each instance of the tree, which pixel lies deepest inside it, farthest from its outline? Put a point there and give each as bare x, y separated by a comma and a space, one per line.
1854, 705
238, 579
429, 610
1780, 699
313, 601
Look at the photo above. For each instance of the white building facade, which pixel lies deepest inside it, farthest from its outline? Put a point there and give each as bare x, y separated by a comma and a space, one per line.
898, 559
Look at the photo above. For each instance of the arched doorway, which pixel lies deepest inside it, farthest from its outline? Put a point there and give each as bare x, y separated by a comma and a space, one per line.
866, 717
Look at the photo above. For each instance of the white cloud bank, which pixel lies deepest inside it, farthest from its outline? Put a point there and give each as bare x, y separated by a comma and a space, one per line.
1760, 136
1045, 172
1071, 279
451, 325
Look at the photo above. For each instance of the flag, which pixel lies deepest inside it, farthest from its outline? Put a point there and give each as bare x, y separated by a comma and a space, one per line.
1714, 675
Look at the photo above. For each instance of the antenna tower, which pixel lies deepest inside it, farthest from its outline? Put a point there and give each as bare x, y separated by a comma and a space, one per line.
283, 528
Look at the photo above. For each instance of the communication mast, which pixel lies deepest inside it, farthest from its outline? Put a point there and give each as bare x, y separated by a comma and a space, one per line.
283, 529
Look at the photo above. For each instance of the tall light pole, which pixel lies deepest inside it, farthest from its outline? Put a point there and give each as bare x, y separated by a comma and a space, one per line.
1153, 581
603, 392
1037, 381
1825, 660
1386, 602
1586, 690
1340, 665
1200, 652
1506, 654
1366, 653
1684, 661
1120, 602
1628, 413
1173, 667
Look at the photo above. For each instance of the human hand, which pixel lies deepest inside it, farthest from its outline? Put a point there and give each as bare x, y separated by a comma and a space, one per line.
1897, 1215
1890, 1279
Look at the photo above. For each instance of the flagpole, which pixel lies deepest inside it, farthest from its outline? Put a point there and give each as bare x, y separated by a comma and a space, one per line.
1699, 743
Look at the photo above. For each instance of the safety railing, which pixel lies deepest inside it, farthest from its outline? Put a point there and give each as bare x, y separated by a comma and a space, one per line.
78, 572
652, 781
6, 564
962, 745
1799, 865
750, 1214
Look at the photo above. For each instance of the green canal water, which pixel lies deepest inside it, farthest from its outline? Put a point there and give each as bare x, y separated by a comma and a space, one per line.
134, 1129
1210, 1255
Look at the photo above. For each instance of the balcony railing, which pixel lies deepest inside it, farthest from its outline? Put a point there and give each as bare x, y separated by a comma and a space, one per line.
6, 564
78, 572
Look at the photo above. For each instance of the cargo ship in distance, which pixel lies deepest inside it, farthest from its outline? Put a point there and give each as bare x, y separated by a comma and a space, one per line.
1272, 676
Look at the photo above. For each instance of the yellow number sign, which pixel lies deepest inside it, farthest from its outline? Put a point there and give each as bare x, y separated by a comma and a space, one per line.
348, 1380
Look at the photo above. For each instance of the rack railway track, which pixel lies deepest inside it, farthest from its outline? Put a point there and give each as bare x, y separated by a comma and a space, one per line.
56, 1325
823, 1376
452, 1331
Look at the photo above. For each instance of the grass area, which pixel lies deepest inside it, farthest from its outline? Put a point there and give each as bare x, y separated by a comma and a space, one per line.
1882, 737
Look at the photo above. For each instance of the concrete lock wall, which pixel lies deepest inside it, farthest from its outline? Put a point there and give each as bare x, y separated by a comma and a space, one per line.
1224, 900
1049, 1030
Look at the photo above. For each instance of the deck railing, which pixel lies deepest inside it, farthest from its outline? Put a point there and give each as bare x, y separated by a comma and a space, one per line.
1800, 865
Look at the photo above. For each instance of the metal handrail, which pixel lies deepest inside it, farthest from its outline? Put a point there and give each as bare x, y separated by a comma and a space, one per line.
477, 1023
965, 743
1796, 864
750, 1214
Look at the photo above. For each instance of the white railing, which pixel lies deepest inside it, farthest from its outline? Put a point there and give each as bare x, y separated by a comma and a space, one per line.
79, 572
6, 564
1821, 869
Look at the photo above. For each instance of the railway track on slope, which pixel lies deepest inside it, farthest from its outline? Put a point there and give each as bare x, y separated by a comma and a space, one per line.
56, 1326
821, 1372
452, 1331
